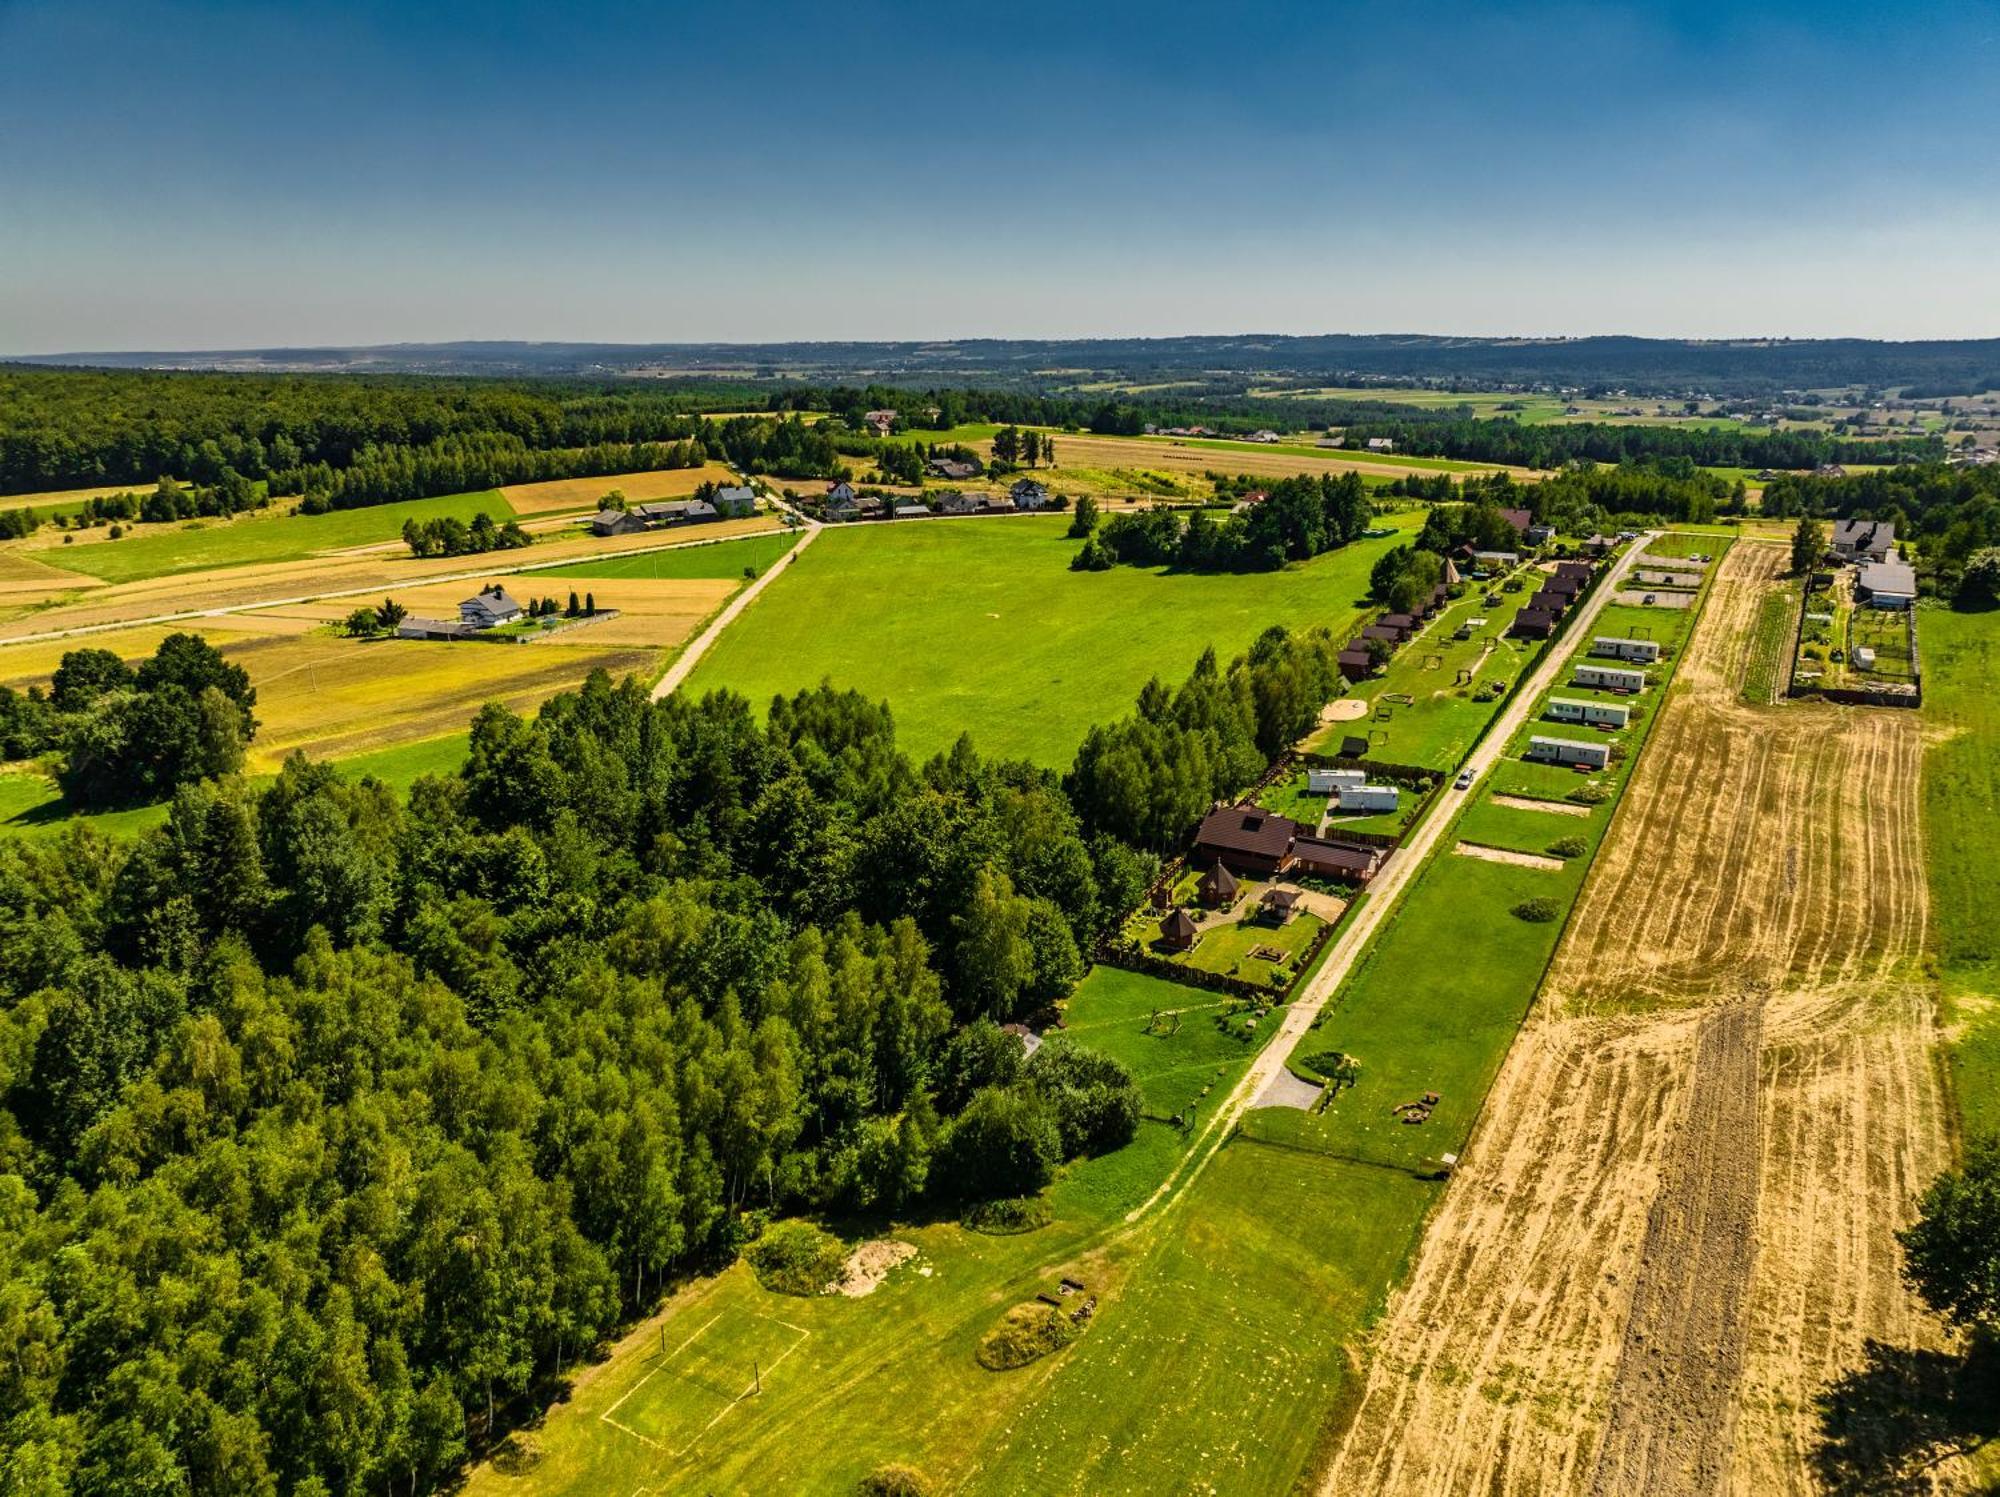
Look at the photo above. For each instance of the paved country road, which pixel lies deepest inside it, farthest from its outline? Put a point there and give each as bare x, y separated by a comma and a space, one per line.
1400, 871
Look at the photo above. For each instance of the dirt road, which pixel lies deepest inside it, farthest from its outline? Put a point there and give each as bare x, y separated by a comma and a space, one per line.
1589, 1311
689, 658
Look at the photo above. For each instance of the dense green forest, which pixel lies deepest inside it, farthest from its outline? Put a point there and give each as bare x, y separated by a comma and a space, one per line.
332, 1121
338, 442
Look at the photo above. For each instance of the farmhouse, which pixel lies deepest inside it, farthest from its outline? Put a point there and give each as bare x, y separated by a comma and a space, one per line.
1381, 444
883, 422
998, 504
957, 502
1330, 781
912, 512
839, 493
954, 468
1625, 649
489, 608
1575, 751
734, 500
847, 508
1261, 843
1591, 714
1863, 540
1539, 535
617, 522
1520, 519
1610, 678
1533, 623
1887, 584
1369, 797
1028, 494
1248, 838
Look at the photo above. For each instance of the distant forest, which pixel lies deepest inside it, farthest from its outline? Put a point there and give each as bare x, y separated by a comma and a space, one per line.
1639, 365
344, 441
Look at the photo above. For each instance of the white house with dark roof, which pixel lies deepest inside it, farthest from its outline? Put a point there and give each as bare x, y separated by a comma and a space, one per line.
488, 609
1863, 540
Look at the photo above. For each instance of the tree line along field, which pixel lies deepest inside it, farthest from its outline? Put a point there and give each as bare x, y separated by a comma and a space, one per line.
1670, 1237
980, 626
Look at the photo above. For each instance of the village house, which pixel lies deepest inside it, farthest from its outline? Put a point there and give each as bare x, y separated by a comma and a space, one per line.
1863, 540
617, 522
1381, 444
1264, 844
956, 502
489, 608
734, 500
1887, 584
953, 468
1028, 494
839, 493
912, 511
882, 422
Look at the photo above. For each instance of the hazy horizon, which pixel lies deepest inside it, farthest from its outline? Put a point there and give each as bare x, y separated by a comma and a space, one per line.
214, 175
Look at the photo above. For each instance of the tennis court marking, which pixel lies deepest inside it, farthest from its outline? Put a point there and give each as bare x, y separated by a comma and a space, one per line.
803, 1334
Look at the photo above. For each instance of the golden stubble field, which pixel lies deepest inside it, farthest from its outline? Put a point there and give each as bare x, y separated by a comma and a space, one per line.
1084, 450
334, 696
1674, 1226
561, 494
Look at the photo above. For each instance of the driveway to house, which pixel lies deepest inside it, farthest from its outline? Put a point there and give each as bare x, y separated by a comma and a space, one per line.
1397, 874
691, 656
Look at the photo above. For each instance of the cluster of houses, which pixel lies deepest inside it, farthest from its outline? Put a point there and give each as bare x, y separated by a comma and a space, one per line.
1882, 579
730, 501
1559, 592
1236, 842
843, 502
487, 609
1357, 660
1219, 889
1607, 717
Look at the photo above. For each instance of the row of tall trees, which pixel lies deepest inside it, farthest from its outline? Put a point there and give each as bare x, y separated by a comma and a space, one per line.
448, 535
1297, 519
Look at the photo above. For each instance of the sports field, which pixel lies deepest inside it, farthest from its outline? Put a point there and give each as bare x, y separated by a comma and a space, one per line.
980, 626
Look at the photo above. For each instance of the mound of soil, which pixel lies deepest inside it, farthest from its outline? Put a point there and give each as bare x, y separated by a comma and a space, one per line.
869, 1264
1027, 1333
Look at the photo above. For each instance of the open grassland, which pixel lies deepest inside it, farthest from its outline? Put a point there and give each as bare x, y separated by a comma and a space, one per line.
271, 535
723, 559
1673, 1228
388, 570
562, 495
980, 626
1219, 1280
1164, 1032
1961, 768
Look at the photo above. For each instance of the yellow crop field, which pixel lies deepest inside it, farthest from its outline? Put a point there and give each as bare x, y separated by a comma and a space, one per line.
583, 493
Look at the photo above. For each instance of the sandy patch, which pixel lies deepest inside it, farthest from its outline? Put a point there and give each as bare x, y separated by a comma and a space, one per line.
869, 1264
1557, 807
1343, 710
1507, 855
1287, 1090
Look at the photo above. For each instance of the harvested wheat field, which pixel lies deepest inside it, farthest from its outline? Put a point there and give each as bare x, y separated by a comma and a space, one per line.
1674, 1227
252, 586
559, 494
1078, 450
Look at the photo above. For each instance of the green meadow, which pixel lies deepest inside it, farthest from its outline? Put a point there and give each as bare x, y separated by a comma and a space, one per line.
714, 559
1961, 659
257, 537
979, 626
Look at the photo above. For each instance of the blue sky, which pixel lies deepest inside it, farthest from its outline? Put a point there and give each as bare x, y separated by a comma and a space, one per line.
216, 175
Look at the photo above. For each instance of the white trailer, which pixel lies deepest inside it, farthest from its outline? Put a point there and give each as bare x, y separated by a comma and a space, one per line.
1625, 649
1591, 714
1369, 797
1610, 678
1569, 751
1330, 781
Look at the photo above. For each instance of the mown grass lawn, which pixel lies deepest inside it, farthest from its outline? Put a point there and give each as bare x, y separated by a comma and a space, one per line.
1175, 1063
163, 550
1961, 655
979, 626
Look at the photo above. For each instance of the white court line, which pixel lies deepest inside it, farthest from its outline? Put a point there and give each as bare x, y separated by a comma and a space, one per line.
606, 1415
804, 1336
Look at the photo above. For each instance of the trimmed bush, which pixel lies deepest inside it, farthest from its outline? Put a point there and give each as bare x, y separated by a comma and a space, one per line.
1568, 847
1537, 911
1009, 1218
796, 1257
1026, 1334
896, 1481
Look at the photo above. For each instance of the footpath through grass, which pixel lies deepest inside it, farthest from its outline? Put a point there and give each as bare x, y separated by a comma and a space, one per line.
979, 625
1961, 658
254, 538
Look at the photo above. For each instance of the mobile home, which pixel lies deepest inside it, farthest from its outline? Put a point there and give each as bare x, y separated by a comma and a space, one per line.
1331, 781
1591, 714
1625, 649
1610, 678
1369, 797
1569, 751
